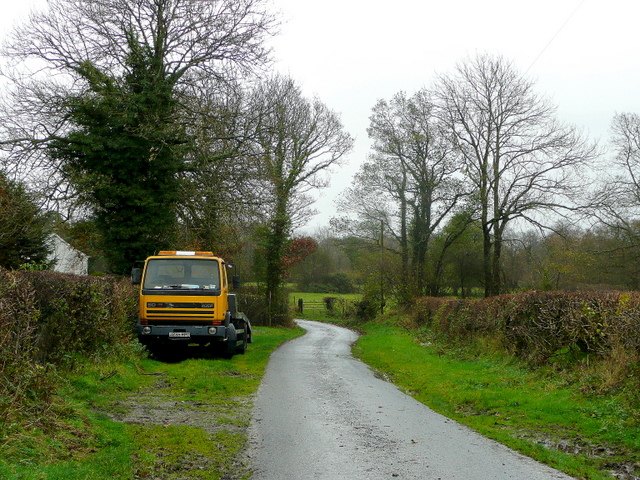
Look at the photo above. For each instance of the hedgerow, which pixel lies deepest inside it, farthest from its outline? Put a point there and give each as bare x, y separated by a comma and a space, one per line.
81, 315
48, 321
24, 381
600, 329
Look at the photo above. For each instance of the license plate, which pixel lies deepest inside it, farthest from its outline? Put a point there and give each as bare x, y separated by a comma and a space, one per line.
179, 335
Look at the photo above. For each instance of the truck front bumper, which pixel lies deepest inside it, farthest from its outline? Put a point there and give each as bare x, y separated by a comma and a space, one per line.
180, 332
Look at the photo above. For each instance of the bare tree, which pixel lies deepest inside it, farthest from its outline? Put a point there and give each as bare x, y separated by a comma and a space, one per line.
192, 38
189, 41
425, 181
219, 195
619, 196
520, 160
617, 200
102, 116
296, 141
411, 182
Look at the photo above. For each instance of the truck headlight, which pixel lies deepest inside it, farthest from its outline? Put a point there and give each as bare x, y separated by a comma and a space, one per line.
212, 330
146, 330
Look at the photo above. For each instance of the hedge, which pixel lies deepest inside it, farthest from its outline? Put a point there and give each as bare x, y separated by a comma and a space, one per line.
47, 321
538, 326
81, 315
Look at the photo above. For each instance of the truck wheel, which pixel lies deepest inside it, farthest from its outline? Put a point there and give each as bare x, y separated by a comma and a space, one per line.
242, 348
230, 344
151, 348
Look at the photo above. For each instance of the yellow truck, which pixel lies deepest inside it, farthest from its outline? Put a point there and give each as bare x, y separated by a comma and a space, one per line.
185, 299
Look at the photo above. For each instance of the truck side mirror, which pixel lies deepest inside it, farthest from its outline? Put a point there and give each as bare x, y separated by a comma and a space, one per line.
136, 276
235, 280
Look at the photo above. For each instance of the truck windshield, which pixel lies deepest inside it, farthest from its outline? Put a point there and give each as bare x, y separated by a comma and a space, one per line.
182, 274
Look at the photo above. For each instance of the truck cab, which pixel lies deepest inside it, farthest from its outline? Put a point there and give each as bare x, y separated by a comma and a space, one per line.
185, 298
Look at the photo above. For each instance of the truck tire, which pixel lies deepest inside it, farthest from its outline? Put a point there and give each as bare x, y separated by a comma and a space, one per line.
229, 348
242, 348
152, 348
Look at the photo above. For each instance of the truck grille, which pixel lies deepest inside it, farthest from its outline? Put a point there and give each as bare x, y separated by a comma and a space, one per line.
179, 305
165, 321
180, 311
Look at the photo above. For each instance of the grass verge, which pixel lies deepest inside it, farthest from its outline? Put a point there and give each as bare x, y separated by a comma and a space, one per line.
184, 419
537, 413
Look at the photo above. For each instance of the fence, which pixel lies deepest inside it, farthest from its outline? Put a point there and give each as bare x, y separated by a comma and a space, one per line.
328, 304
311, 305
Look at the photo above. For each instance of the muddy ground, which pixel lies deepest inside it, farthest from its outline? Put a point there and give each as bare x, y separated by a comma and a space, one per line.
156, 406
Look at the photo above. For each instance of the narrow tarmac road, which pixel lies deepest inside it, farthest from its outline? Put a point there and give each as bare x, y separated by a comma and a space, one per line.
321, 414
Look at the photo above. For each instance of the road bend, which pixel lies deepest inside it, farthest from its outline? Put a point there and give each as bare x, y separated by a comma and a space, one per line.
321, 414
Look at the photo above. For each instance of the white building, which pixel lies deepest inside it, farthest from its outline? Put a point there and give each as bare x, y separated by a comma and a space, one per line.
67, 259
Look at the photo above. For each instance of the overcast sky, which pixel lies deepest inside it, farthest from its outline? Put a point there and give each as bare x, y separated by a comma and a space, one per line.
583, 54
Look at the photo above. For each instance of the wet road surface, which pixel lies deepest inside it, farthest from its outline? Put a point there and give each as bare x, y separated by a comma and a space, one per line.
321, 414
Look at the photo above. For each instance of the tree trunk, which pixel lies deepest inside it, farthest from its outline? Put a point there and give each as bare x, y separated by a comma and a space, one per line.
274, 273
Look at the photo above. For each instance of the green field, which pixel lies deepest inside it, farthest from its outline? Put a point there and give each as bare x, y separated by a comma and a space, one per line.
341, 306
